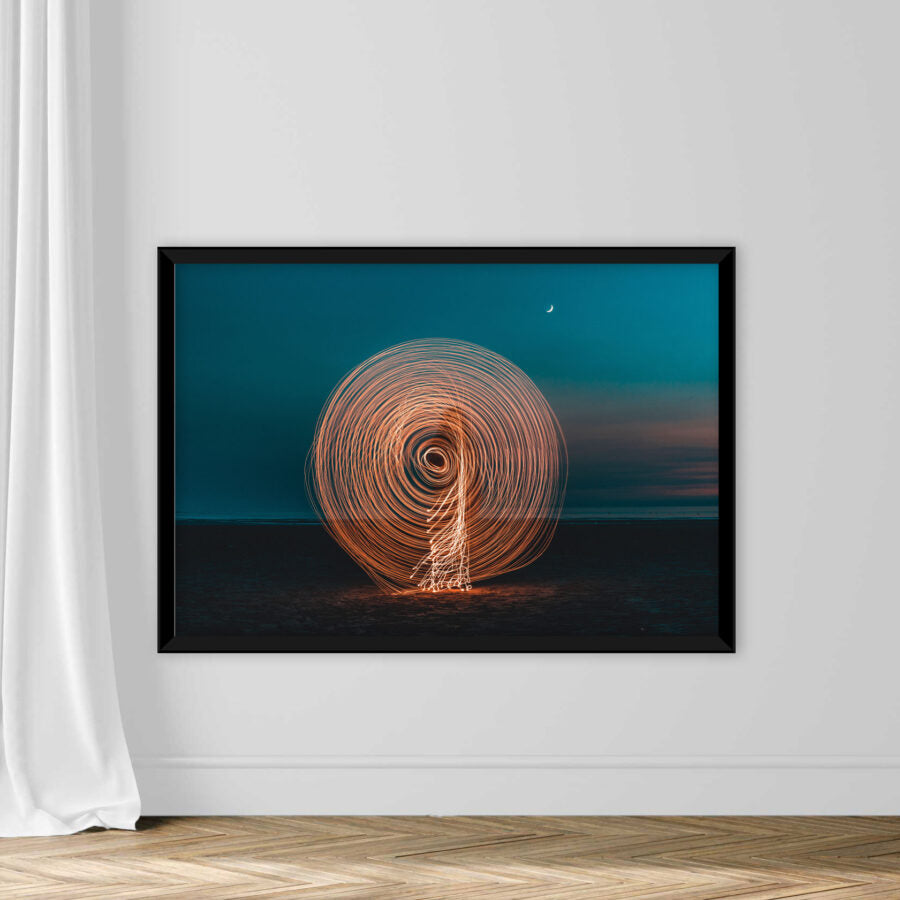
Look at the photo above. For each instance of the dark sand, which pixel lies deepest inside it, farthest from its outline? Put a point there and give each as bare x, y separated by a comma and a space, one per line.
625, 578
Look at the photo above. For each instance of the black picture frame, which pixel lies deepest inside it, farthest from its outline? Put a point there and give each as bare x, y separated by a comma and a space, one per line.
169, 640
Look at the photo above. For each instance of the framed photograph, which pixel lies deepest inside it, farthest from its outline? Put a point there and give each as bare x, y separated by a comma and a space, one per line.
446, 449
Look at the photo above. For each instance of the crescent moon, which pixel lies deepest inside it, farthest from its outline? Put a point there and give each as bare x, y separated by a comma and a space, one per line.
551, 308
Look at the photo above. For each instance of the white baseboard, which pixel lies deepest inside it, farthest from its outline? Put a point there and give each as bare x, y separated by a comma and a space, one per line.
519, 785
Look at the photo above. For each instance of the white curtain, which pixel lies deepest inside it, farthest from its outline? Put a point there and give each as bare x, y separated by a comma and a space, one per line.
64, 765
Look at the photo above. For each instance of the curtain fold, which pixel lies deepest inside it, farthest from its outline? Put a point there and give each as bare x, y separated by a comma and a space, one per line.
64, 765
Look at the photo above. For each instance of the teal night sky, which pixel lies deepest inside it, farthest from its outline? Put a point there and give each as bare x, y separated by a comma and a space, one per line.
627, 359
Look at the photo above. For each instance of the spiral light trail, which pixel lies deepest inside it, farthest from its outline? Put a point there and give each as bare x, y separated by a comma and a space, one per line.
436, 464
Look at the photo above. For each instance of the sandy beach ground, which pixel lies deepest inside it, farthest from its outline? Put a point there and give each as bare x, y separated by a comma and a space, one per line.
614, 577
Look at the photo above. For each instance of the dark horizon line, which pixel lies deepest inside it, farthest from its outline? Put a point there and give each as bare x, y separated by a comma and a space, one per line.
584, 519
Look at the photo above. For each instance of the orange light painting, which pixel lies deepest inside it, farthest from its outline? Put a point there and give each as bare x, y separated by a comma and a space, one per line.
437, 464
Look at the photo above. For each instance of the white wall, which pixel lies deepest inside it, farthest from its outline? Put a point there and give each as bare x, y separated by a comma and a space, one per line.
765, 124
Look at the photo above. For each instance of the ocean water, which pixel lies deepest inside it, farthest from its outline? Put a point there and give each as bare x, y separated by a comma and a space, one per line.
621, 577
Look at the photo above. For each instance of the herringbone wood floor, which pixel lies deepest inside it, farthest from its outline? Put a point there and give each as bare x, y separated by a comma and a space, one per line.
388, 858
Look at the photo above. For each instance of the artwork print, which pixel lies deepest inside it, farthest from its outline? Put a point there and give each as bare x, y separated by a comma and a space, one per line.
433, 450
